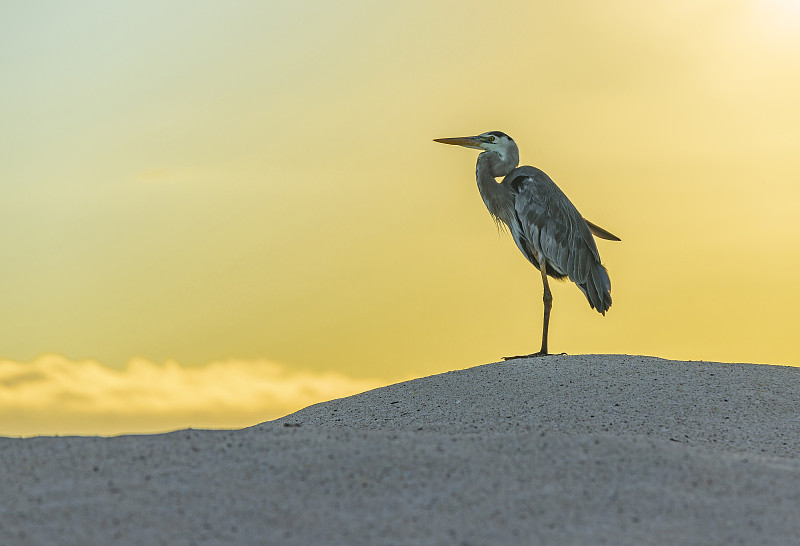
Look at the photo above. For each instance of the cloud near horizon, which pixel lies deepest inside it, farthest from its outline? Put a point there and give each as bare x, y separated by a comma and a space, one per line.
53, 395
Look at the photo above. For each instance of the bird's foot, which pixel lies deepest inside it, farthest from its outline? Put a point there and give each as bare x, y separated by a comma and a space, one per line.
540, 353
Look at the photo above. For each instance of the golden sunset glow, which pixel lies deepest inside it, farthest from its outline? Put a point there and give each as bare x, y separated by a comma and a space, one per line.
236, 208
52, 395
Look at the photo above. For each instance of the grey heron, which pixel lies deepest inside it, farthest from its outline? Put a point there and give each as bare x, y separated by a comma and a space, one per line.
548, 229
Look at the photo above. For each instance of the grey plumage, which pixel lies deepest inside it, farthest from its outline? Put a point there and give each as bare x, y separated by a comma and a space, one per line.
548, 222
545, 225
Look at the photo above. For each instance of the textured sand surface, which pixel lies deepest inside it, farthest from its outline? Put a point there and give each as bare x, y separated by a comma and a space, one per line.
595, 449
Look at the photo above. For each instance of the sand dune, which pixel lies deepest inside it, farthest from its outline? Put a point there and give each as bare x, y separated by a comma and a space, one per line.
595, 449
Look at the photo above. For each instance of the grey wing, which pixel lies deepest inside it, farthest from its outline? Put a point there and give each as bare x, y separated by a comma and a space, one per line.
597, 231
554, 228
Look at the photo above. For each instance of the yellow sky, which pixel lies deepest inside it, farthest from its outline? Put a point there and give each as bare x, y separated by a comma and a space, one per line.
237, 183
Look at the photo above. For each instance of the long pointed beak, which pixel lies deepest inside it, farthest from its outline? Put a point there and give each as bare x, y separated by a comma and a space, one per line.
467, 142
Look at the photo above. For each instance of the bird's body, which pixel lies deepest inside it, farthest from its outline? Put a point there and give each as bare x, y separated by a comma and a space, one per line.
549, 225
545, 225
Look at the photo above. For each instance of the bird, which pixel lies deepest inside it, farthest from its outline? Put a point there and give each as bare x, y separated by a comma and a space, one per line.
547, 228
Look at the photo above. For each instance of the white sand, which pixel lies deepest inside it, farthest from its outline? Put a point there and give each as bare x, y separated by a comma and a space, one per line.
597, 449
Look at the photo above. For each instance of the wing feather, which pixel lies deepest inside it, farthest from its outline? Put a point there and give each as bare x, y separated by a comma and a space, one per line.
551, 226
597, 231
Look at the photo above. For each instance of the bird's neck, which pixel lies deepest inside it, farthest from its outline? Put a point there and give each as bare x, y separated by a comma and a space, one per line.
498, 198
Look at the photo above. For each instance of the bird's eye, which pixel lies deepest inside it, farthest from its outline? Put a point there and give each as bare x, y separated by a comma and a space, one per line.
491, 139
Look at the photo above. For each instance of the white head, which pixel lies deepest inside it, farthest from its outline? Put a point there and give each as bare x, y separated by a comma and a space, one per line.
500, 151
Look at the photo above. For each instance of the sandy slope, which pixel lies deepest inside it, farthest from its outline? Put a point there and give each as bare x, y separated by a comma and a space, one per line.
573, 449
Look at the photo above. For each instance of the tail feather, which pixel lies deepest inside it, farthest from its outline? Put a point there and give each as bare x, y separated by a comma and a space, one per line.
597, 288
